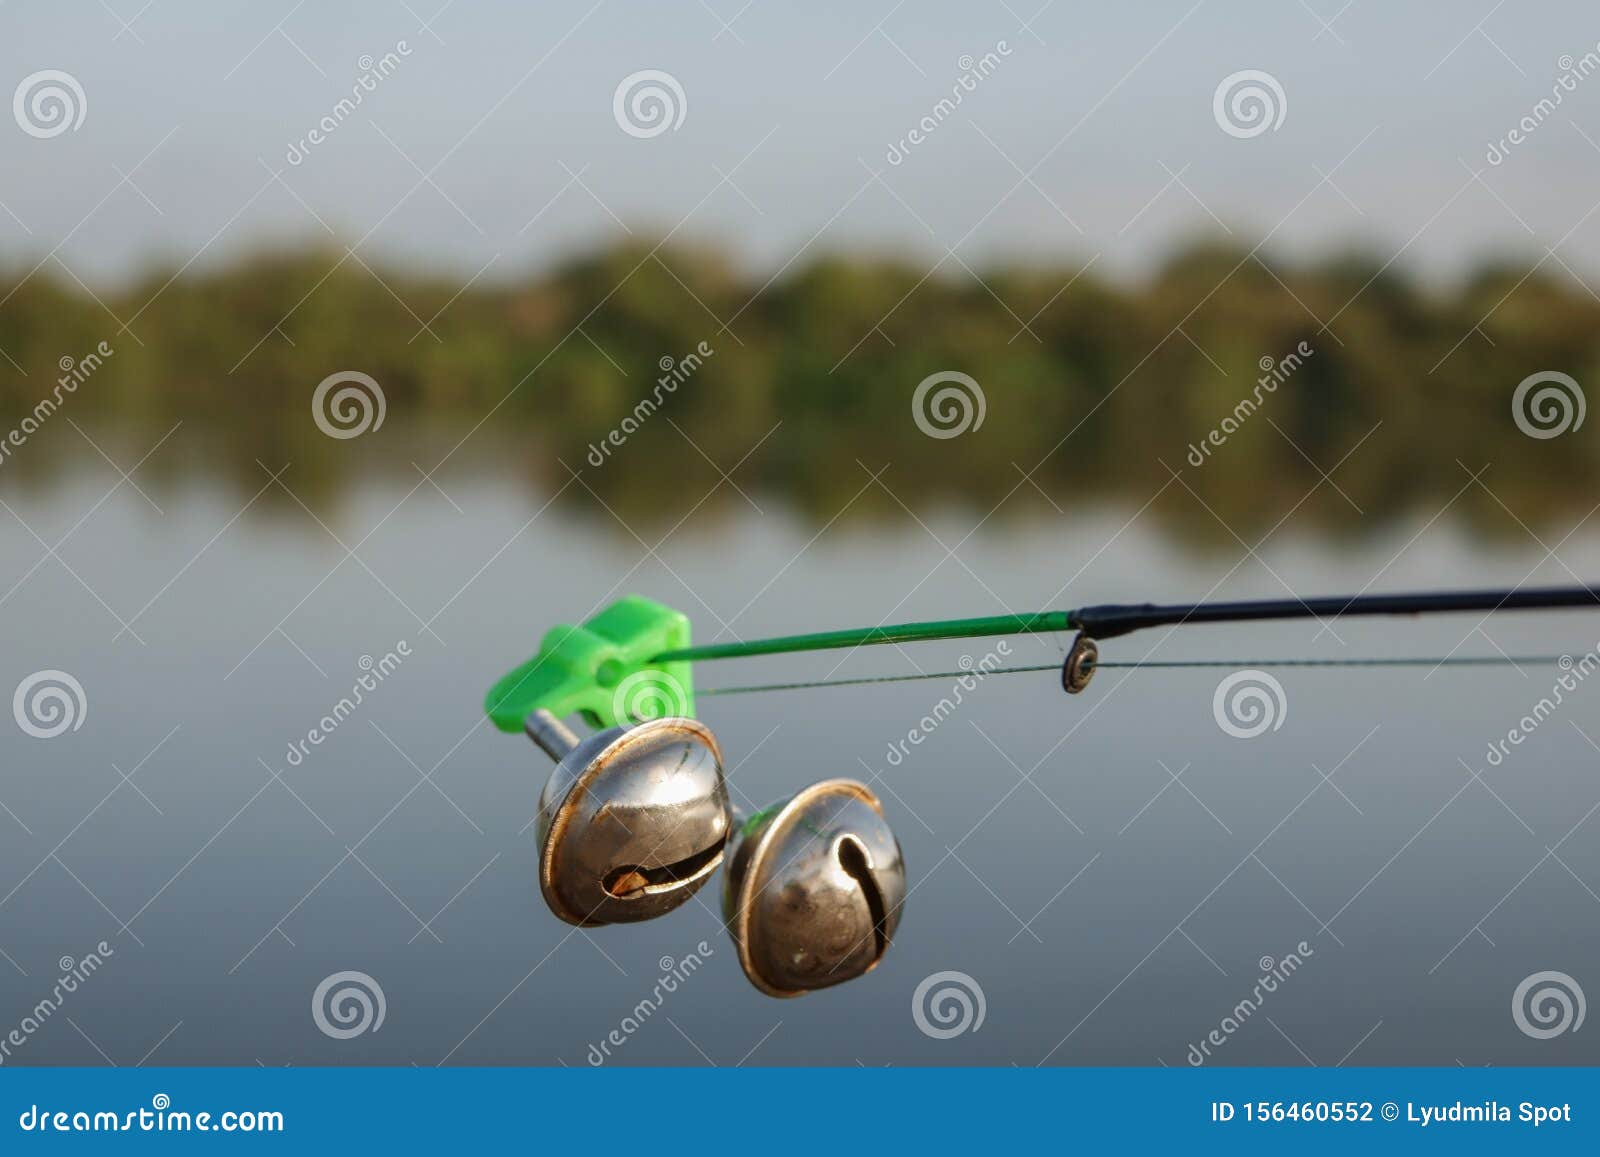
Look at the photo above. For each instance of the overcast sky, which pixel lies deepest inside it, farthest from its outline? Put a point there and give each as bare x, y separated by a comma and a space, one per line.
1093, 137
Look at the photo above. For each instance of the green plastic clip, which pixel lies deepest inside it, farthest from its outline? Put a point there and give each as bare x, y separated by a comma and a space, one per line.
602, 670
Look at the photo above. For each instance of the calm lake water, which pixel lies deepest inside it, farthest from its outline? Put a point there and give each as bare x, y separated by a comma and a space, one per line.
1113, 871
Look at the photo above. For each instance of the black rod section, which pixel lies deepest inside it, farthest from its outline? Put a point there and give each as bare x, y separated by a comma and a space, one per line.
1112, 619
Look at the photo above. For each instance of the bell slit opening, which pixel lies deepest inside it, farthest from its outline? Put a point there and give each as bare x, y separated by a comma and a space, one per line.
853, 859
629, 881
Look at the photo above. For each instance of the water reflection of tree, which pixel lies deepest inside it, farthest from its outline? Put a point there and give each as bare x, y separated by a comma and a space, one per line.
1094, 389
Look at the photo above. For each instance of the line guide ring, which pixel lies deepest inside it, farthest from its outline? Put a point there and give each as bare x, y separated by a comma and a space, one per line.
1080, 664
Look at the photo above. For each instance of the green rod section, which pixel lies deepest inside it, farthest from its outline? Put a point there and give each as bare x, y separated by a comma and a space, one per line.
1044, 622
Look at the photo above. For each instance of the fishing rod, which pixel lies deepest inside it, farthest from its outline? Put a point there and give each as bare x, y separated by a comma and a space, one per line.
1112, 620
636, 817
638, 653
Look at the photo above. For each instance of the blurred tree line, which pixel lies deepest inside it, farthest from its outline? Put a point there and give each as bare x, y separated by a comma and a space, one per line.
1099, 389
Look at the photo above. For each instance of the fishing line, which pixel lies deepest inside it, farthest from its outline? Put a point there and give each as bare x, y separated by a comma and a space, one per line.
628, 670
636, 647
1163, 664
1111, 620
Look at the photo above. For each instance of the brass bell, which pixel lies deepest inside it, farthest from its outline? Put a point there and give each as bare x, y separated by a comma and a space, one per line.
632, 821
813, 890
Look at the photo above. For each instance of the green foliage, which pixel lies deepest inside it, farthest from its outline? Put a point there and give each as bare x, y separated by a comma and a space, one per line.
1098, 390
